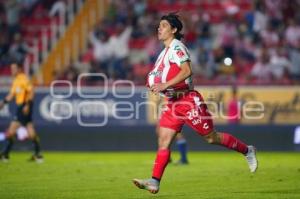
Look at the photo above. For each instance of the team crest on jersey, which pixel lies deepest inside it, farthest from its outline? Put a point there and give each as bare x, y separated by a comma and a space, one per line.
179, 52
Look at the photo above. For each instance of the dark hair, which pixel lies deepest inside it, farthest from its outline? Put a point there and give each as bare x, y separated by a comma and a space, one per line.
174, 21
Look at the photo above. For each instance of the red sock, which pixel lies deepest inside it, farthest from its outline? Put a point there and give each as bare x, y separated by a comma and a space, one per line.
231, 142
161, 161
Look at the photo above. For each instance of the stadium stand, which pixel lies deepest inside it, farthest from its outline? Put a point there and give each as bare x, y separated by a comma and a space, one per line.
29, 29
231, 42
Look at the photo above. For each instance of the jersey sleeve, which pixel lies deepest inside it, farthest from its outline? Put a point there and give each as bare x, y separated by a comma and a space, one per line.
28, 87
180, 54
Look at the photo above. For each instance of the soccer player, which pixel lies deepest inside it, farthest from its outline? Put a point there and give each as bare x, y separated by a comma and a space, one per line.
22, 91
171, 76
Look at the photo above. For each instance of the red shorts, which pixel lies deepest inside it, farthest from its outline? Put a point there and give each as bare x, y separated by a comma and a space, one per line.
190, 109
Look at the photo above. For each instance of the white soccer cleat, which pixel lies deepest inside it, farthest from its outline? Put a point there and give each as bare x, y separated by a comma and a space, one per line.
37, 158
151, 185
251, 159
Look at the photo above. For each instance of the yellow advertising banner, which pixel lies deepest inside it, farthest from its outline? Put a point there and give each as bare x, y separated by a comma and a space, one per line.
257, 105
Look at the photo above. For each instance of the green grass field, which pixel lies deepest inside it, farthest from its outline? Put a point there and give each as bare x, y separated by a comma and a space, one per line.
108, 176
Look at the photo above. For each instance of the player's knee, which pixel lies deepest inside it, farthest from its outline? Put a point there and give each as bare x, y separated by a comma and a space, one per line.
163, 144
10, 133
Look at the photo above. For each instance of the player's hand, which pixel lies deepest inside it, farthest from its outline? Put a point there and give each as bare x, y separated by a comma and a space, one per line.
26, 109
156, 88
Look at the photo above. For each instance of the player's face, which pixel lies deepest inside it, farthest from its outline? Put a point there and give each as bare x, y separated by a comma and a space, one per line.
165, 30
14, 69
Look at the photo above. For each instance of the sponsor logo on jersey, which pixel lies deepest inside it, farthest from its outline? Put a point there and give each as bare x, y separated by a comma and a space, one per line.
18, 89
205, 126
155, 73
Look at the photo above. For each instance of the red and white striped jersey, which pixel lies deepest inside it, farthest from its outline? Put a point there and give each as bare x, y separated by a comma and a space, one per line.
167, 66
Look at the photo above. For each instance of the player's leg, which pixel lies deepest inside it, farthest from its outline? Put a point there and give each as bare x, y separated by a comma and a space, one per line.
229, 141
201, 121
182, 148
205, 128
36, 142
226, 140
21, 135
9, 140
166, 131
165, 138
157, 133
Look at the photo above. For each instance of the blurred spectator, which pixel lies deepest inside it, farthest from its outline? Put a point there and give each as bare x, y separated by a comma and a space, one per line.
228, 50
12, 15
279, 64
125, 42
19, 48
204, 32
274, 12
292, 33
119, 43
260, 17
227, 36
244, 47
139, 7
262, 68
294, 54
83, 65
103, 50
269, 36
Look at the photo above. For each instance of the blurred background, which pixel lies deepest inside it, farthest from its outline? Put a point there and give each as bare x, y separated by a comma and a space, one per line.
241, 51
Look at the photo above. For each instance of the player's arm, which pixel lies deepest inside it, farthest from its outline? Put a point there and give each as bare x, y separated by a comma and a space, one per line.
184, 73
30, 93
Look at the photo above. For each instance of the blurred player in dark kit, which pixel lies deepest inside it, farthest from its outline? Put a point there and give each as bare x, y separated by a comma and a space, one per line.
23, 92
